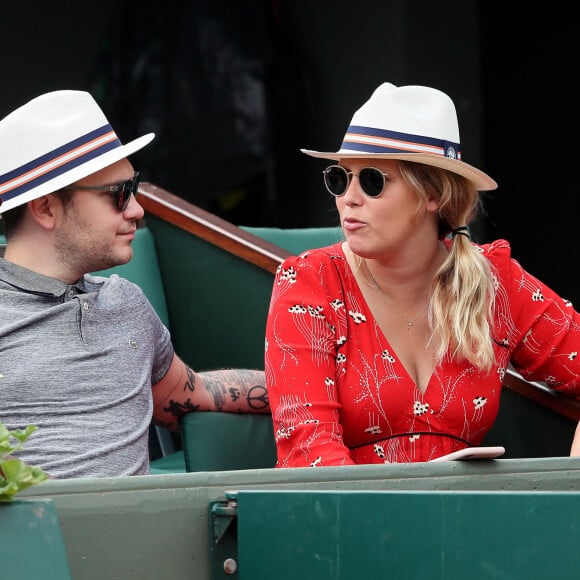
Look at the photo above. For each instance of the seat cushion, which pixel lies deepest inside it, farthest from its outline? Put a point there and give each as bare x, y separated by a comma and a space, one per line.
172, 463
216, 441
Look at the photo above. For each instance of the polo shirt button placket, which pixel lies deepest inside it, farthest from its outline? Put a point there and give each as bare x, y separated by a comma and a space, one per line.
84, 307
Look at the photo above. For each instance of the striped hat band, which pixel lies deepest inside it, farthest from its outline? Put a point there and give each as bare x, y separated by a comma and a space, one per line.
371, 140
54, 140
58, 161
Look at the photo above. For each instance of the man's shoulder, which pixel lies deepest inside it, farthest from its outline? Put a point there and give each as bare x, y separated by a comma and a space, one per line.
97, 280
113, 285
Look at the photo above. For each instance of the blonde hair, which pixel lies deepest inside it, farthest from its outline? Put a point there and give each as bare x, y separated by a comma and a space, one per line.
462, 289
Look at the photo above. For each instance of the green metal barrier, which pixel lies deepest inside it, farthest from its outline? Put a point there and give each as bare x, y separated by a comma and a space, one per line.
157, 526
31, 544
341, 535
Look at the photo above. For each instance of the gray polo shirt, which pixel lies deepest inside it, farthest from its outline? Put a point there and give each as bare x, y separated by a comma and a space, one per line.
78, 361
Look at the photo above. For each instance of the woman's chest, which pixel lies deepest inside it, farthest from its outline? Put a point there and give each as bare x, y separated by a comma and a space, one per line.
378, 395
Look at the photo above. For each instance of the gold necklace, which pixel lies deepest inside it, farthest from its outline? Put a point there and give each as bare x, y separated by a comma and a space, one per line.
409, 323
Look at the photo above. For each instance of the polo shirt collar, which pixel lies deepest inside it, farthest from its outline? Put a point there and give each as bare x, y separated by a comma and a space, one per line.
30, 281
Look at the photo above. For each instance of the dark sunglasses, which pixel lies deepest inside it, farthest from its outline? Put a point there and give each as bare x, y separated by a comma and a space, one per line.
120, 191
337, 179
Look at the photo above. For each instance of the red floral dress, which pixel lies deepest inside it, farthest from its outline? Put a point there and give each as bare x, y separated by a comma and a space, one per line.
339, 394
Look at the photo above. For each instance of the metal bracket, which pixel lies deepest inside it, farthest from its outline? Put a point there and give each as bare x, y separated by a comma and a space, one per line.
223, 534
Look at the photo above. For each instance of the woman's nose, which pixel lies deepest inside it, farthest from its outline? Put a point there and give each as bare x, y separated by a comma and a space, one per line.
353, 194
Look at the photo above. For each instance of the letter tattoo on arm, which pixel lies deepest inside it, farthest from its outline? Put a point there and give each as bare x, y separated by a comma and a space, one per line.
189, 384
179, 409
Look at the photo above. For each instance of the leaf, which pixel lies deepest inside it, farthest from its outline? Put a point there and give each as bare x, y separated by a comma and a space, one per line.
23, 435
19, 476
5, 446
15, 474
7, 490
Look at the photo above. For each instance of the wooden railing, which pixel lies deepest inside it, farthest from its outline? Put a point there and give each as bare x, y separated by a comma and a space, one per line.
267, 256
210, 228
542, 395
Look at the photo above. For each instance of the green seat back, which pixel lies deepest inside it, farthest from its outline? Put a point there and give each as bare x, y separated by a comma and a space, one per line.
297, 240
217, 303
227, 441
143, 270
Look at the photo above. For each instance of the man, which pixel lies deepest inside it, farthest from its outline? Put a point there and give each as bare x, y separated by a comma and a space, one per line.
85, 358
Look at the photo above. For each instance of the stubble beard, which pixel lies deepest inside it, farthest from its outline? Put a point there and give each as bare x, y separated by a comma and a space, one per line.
80, 249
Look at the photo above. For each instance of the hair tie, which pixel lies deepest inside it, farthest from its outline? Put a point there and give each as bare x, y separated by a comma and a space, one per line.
461, 231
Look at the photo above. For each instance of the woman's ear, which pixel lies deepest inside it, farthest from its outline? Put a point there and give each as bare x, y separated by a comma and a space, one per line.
432, 205
42, 210
433, 198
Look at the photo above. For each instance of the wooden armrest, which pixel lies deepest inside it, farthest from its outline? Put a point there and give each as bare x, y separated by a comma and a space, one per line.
211, 228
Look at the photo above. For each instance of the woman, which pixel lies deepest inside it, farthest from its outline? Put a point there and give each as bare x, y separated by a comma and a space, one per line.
392, 346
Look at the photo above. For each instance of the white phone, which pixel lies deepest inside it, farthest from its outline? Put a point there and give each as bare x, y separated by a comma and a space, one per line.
472, 453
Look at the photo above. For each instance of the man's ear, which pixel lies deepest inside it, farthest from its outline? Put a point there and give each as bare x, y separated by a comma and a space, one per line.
42, 210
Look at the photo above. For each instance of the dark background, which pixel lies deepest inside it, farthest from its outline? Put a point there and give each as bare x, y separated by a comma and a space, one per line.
233, 89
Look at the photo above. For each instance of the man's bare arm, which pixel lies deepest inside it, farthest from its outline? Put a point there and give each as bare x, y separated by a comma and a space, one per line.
182, 391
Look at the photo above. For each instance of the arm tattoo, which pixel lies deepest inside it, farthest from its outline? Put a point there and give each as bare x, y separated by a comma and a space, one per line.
217, 392
179, 409
257, 397
190, 382
237, 390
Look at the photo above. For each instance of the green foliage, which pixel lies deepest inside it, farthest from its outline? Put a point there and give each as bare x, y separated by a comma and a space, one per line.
15, 475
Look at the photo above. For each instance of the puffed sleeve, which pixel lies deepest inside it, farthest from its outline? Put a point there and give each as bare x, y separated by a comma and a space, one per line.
541, 328
301, 348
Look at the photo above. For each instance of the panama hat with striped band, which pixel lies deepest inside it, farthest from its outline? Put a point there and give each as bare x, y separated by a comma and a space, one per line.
411, 123
55, 140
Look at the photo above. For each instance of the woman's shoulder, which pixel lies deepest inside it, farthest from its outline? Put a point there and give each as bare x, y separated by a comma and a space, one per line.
496, 251
317, 266
315, 256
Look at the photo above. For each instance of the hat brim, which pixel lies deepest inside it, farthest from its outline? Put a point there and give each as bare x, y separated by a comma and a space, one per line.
480, 180
79, 172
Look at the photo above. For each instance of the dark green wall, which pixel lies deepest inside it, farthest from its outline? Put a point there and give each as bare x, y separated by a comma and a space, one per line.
508, 68
47, 46
327, 57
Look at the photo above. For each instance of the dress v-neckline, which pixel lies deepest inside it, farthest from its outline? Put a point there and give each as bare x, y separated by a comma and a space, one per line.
371, 318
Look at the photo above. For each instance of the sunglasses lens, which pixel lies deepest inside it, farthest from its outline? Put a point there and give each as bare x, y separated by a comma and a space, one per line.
372, 181
125, 191
123, 195
336, 180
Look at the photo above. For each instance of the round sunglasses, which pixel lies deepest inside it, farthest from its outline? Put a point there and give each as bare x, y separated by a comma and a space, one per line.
121, 192
337, 179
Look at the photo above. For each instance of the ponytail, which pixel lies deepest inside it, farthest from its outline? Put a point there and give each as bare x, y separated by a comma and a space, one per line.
462, 289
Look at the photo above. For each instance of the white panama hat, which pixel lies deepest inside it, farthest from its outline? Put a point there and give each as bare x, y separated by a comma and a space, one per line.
411, 123
53, 141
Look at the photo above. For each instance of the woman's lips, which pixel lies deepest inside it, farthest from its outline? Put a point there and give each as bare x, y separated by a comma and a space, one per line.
352, 224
